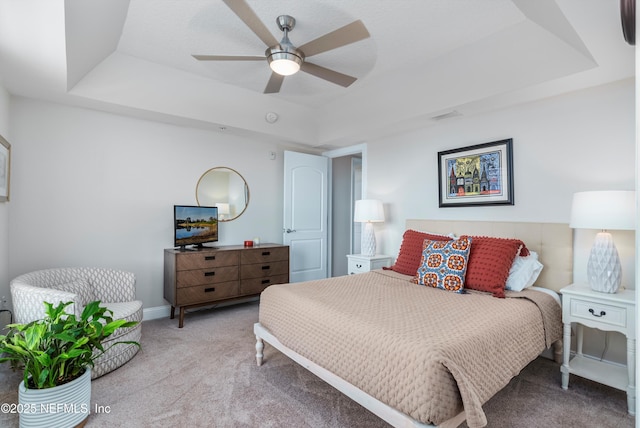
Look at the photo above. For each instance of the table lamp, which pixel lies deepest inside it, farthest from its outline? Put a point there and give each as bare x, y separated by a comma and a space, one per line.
223, 210
604, 210
368, 211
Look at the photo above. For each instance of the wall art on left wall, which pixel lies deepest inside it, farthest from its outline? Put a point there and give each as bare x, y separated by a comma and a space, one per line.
5, 169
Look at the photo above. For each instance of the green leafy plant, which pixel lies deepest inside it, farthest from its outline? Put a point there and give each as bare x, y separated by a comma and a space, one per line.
59, 348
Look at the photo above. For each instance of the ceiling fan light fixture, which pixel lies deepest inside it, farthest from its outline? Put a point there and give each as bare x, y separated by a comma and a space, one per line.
284, 63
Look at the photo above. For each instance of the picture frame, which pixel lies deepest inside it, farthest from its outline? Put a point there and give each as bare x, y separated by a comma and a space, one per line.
5, 169
476, 175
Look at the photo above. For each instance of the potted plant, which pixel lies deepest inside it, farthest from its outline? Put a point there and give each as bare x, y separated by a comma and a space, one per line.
56, 355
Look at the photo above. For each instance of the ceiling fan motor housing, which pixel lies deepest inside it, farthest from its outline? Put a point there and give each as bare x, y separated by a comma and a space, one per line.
286, 22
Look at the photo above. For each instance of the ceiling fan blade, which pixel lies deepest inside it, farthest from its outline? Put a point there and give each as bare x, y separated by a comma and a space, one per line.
274, 83
228, 58
327, 74
249, 17
348, 34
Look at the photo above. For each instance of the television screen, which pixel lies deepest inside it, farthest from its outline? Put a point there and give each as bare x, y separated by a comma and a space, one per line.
194, 225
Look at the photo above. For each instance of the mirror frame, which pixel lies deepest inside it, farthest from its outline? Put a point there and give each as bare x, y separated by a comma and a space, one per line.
246, 189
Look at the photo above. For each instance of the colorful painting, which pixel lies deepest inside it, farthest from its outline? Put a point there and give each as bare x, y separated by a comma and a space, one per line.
476, 175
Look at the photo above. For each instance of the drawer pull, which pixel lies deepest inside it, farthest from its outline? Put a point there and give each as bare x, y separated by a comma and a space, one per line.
209, 273
592, 312
359, 266
266, 267
209, 257
266, 281
210, 289
266, 253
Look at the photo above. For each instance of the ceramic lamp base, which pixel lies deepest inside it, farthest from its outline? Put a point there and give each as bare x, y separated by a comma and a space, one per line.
604, 271
368, 241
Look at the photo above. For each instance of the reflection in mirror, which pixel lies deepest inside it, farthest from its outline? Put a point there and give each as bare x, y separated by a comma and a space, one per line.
224, 188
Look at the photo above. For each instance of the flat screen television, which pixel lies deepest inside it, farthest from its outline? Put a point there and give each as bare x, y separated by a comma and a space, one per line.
194, 225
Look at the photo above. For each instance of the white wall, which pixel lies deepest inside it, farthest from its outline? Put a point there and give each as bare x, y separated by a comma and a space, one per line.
4, 212
96, 189
581, 141
575, 142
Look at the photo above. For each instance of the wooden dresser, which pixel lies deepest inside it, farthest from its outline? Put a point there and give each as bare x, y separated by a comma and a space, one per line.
205, 276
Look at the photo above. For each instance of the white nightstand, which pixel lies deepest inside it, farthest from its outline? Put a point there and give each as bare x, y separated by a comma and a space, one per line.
359, 263
604, 311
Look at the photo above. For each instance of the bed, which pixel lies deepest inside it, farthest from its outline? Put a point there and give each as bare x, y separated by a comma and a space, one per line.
416, 355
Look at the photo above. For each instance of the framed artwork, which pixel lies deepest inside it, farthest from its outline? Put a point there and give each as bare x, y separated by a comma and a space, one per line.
5, 169
476, 175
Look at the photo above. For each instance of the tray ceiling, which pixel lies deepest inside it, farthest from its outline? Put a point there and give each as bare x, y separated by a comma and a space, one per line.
425, 58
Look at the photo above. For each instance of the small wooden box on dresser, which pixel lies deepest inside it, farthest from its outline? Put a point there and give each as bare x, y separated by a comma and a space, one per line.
205, 276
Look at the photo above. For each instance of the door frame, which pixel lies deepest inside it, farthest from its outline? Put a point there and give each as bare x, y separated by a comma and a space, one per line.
360, 149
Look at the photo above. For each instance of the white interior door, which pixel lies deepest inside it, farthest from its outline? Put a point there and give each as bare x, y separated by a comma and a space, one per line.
305, 227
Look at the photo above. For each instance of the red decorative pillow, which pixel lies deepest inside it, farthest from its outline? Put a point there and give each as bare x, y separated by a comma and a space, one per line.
490, 260
410, 254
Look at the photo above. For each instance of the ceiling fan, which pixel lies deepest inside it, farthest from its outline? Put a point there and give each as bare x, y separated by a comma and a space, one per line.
286, 59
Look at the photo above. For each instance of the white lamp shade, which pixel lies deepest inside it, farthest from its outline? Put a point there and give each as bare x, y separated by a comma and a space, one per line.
604, 210
368, 211
223, 210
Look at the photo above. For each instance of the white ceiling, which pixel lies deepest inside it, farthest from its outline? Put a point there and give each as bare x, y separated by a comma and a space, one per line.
425, 58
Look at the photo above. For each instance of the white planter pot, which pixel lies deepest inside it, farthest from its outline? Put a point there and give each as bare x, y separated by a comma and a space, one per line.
63, 406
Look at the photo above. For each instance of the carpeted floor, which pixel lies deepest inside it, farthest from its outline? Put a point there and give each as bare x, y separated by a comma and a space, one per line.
205, 375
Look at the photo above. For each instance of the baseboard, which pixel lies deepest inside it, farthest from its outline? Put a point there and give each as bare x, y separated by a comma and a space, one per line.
156, 312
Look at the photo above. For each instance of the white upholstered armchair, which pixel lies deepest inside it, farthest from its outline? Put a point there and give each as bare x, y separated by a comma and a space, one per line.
114, 288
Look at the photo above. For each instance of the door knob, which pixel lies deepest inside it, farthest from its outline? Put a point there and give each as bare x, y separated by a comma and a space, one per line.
287, 230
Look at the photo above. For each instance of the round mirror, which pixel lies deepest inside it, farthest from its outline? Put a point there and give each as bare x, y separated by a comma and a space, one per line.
224, 188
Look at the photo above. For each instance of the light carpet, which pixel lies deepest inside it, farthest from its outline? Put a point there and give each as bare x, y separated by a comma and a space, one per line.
205, 375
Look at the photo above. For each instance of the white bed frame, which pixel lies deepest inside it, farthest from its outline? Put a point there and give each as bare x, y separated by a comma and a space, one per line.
383, 411
552, 241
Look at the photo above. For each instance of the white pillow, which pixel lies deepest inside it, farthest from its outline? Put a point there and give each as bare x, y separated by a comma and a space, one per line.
524, 272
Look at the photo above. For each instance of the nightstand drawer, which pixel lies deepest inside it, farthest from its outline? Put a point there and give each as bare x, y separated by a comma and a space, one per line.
358, 266
606, 314
357, 263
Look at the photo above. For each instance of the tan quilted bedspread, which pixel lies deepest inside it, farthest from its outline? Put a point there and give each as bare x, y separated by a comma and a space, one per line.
425, 352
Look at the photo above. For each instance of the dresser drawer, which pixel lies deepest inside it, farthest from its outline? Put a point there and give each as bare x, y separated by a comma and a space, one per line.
606, 314
188, 278
257, 285
204, 260
206, 293
267, 254
261, 270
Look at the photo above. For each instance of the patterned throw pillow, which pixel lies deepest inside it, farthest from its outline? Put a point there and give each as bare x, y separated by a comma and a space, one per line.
444, 264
